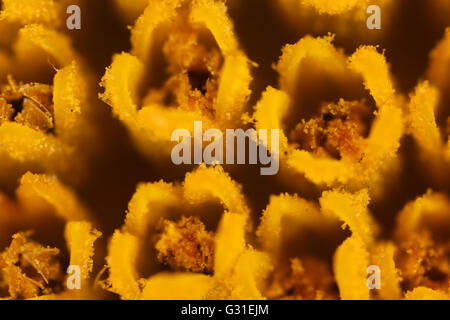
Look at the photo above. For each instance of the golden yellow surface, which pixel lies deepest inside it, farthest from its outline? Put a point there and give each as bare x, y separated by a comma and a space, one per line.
87, 180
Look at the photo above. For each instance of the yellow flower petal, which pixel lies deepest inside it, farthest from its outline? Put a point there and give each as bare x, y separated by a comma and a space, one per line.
156, 13
122, 255
282, 207
37, 191
431, 210
234, 89
330, 59
269, 113
150, 203
383, 257
239, 270
375, 72
422, 118
248, 275
424, 293
213, 15
177, 286
352, 210
350, 264
80, 237
69, 97
320, 170
206, 183
31, 11
230, 243
121, 82
35, 39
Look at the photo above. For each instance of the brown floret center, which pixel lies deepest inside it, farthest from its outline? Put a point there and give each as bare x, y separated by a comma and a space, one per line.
337, 131
193, 67
186, 245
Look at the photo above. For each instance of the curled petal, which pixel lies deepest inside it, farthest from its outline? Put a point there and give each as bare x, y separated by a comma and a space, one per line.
121, 83
150, 203
35, 38
382, 255
80, 237
163, 121
39, 200
248, 275
156, 13
282, 207
69, 131
321, 170
230, 243
375, 72
352, 210
235, 76
333, 61
383, 142
37, 190
238, 269
25, 144
431, 210
123, 278
69, 97
350, 263
422, 123
213, 15
384, 138
213, 182
269, 113
234, 88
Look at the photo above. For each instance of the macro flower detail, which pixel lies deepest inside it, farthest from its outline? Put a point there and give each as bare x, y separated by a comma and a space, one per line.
31, 11
43, 124
30, 270
413, 261
237, 268
130, 131
331, 148
208, 76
